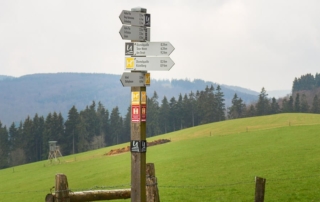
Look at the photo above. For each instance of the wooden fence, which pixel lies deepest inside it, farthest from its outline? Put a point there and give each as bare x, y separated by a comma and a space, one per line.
63, 193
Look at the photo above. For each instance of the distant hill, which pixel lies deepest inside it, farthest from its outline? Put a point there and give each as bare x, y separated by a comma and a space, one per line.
2, 77
44, 93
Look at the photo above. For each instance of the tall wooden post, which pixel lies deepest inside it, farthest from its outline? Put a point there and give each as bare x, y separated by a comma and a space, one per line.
260, 188
138, 138
152, 184
62, 189
138, 144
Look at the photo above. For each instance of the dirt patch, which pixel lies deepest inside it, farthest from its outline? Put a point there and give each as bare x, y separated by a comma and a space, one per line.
127, 149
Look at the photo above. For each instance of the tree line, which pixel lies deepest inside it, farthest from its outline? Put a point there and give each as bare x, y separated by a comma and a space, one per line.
95, 127
306, 82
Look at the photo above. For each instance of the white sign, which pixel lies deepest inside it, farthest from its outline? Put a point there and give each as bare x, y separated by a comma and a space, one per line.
135, 33
135, 18
148, 48
148, 63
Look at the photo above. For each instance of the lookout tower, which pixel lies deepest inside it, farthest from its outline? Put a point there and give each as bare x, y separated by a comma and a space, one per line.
54, 151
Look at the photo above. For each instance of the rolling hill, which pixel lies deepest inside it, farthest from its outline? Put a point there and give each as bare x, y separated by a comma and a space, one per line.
44, 93
212, 162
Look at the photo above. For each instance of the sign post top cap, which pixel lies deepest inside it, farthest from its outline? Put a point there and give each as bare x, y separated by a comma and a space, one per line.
139, 9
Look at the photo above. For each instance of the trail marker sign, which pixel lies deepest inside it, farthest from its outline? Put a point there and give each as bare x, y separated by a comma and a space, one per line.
129, 79
135, 33
148, 48
148, 63
135, 18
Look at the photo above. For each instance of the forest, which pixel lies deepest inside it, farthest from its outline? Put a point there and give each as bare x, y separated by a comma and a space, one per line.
96, 127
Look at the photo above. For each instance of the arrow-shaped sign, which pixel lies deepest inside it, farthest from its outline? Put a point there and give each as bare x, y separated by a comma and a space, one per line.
136, 79
149, 48
135, 18
135, 33
148, 63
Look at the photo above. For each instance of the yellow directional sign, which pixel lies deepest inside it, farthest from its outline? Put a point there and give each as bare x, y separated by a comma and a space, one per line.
143, 97
147, 79
130, 63
135, 99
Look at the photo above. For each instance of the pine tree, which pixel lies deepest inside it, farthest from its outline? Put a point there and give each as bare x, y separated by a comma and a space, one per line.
193, 108
164, 114
153, 115
274, 107
220, 105
103, 116
180, 112
304, 104
237, 109
263, 105
173, 112
127, 126
29, 140
297, 105
71, 133
116, 126
316, 105
4, 147
38, 129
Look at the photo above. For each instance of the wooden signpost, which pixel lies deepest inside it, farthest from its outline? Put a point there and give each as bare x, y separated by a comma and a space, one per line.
136, 27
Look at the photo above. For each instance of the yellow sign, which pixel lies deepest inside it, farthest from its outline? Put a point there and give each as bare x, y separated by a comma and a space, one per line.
135, 99
147, 79
129, 63
143, 97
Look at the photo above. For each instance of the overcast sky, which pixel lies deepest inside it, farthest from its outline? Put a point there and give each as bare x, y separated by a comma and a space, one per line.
247, 43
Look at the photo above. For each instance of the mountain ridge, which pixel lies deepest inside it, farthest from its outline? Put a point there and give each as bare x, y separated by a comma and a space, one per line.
43, 93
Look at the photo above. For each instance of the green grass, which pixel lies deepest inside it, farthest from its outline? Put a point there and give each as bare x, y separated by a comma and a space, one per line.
212, 162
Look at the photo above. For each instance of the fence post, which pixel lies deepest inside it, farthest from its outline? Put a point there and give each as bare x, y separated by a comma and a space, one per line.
151, 184
260, 188
62, 188
49, 198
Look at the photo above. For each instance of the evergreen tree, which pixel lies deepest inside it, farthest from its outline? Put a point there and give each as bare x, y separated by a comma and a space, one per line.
127, 126
173, 112
316, 105
187, 112
297, 105
153, 115
180, 112
29, 140
116, 126
220, 105
103, 119
287, 105
263, 105
237, 109
47, 136
38, 129
193, 108
274, 107
251, 111
164, 114
71, 133
4, 147
304, 104
82, 143
317, 80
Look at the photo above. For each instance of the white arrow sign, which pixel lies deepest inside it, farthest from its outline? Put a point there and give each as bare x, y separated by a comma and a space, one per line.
133, 79
135, 33
148, 63
135, 18
149, 48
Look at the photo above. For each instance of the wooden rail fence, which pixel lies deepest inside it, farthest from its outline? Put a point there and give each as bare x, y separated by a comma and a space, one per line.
63, 194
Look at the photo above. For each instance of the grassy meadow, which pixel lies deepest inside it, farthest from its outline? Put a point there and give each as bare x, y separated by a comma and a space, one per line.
212, 162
